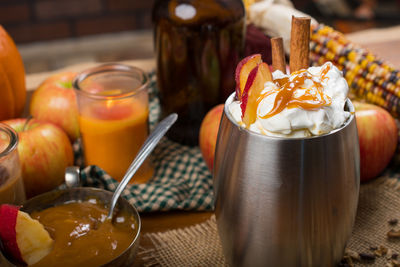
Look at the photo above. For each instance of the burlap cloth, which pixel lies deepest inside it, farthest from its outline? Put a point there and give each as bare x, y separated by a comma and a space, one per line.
199, 245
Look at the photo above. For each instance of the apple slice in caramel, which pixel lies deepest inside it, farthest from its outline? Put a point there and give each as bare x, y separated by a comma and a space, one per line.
258, 76
24, 239
243, 69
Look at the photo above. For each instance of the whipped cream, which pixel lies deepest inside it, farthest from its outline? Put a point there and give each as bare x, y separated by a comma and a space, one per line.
327, 86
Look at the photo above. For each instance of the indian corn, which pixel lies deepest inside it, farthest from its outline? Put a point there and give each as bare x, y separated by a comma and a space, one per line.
369, 78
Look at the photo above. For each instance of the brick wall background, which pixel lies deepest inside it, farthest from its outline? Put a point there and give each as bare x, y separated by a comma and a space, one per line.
40, 20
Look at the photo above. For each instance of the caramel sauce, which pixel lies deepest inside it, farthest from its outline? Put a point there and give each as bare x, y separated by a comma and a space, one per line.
281, 82
82, 235
311, 99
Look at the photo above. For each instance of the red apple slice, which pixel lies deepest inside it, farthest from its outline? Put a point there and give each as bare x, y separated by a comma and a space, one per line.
243, 69
24, 238
254, 86
245, 95
8, 221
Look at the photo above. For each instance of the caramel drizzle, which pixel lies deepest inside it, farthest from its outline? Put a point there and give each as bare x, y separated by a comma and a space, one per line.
311, 99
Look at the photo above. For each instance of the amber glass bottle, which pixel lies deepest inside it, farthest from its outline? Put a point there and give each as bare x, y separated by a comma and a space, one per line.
198, 44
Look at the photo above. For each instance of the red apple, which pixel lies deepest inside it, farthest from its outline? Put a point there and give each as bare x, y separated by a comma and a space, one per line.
55, 101
377, 134
24, 239
44, 151
243, 69
208, 134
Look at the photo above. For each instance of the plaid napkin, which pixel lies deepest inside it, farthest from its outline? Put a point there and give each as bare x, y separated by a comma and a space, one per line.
181, 179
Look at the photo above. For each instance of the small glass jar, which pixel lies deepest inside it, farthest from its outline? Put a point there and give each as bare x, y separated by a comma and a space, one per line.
11, 182
113, 118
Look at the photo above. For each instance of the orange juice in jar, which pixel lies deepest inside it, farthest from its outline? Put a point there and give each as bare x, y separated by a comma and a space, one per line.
11, 183
113, 118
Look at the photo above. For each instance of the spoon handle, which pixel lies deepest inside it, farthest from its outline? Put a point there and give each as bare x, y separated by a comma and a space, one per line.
148, 146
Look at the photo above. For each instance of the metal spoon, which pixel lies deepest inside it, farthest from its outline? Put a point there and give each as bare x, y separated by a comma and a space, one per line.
144, 151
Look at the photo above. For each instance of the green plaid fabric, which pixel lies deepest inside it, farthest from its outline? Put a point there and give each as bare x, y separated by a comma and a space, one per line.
181, 180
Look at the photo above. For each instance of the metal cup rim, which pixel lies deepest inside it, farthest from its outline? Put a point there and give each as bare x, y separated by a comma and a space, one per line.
349, 105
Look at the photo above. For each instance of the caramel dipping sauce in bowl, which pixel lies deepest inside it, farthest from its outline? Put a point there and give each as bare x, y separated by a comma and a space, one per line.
76, 220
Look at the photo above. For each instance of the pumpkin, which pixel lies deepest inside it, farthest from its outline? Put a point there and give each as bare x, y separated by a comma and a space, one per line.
12, 78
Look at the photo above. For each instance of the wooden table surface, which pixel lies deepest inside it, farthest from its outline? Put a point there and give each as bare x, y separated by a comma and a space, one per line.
384, 42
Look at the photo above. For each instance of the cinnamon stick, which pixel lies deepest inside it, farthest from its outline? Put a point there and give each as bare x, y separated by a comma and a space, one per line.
299, 43
278, 54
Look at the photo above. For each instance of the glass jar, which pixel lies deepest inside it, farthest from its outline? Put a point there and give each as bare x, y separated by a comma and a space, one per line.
198, 45
11, 183
113, 118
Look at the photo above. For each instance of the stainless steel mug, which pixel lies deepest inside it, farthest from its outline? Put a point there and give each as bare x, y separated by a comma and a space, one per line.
285, 201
